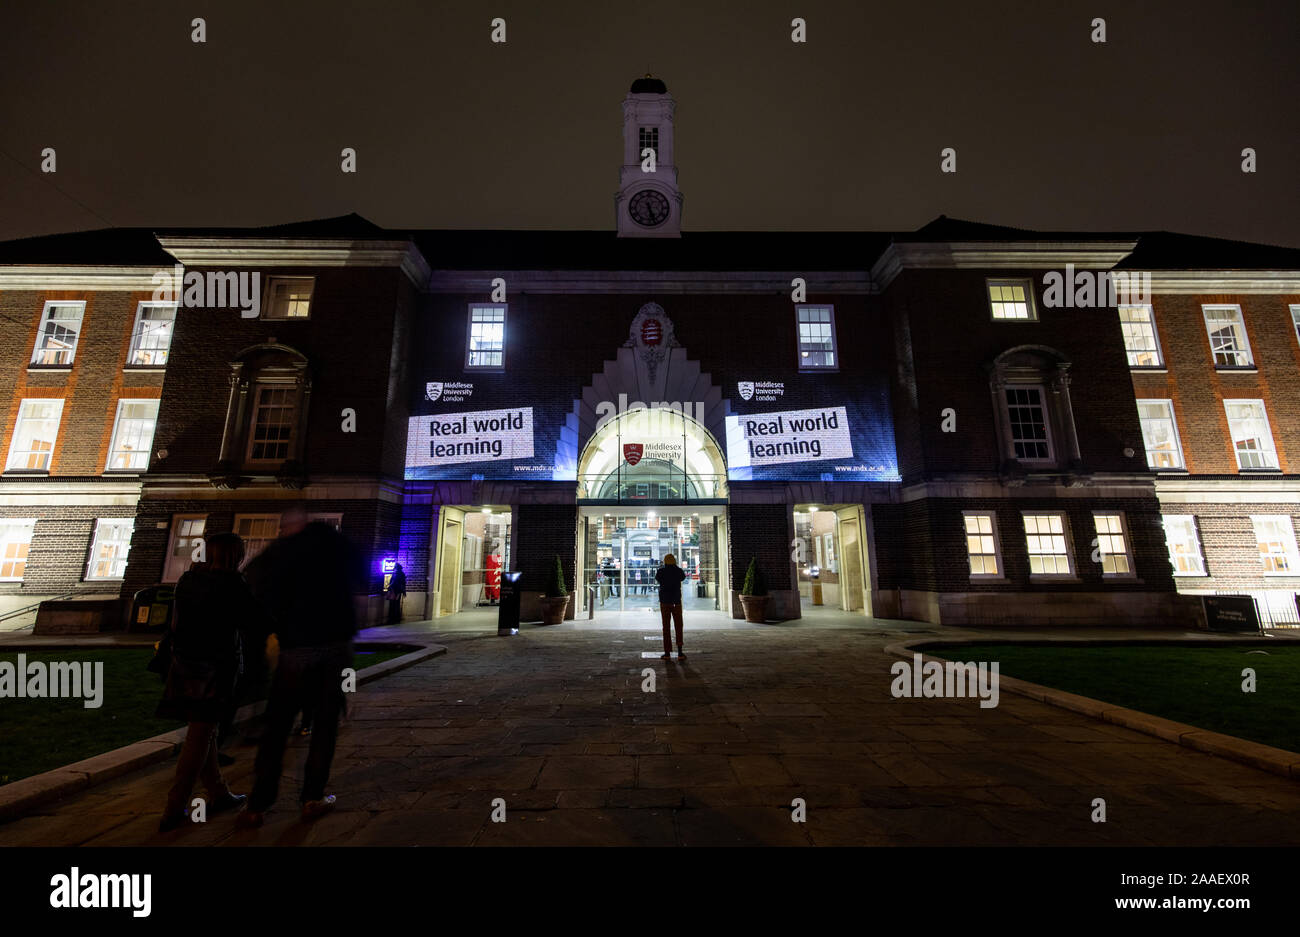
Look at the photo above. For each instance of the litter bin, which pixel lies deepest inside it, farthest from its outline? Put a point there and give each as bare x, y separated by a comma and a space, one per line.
151, 608
508, 610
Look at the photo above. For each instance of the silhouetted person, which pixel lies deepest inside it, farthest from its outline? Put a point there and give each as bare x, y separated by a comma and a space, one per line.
307, 578
670, 578
212, 600
396, 593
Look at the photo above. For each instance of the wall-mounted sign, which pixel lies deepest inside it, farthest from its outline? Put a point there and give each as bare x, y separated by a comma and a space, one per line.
760, 390
448, 392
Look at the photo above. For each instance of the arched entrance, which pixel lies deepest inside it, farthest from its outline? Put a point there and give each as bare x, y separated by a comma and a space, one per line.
652, 481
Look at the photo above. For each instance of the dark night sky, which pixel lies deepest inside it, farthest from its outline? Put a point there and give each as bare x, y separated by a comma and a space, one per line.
1052, 131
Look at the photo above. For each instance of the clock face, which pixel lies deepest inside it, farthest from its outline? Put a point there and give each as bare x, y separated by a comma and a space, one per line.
649, 209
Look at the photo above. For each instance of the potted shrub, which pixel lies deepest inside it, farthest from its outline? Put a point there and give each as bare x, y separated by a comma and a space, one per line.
753, 595
556, 601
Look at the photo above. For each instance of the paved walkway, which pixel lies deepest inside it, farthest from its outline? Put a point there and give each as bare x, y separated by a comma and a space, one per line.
554, 721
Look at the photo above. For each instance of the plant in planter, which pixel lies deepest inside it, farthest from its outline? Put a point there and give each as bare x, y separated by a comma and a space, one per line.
556, 601
753, 594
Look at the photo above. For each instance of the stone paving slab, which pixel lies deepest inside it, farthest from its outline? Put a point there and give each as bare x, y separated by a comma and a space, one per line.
555, 724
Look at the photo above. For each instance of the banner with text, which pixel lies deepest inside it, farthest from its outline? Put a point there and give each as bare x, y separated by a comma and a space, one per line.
480, 438
788, 436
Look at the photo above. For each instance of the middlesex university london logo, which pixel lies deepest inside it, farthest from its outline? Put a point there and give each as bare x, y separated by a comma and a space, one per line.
433, 390
746, 389
652, 332
632, 452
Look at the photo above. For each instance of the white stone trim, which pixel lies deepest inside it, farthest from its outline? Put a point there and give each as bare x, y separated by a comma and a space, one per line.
998, 255
97, 279
298, 252
638, 281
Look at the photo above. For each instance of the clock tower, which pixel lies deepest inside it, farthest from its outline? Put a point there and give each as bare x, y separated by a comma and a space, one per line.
648, 203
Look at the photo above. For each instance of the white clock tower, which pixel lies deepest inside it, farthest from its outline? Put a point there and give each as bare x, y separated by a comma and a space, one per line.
648, 203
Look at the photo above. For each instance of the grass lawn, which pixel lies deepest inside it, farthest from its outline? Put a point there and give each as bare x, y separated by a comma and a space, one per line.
1200, 685
41, 734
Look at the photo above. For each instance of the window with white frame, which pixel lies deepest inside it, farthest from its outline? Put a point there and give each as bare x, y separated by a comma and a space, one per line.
1295, 320
109, 548
151, 340
1252, 439
133, 430
1112, 544
1012, 299
274, 416
1140, 339
486, 341
35, 432
1046, 543
288, 297
257, 530
1160, 434
15, 541
1277, 546
1031, 440
187, 530
817, 348
1228, 341
1184, 542
982, 544
56, 342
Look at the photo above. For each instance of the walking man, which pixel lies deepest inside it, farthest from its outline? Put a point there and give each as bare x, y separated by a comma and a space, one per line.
307, 578
670, 578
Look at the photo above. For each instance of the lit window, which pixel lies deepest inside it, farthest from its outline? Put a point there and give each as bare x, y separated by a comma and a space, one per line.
56, 342
1228, 341
109, 548
274, 411
1140, 337
15, 541
1277, 546
1252, 440
816, 337
1112, 545
1160, 434
1027, 418
257, 530
1184, 545
982, 545
289, 298
35, 432
649, 141
486, 344
152, 338
187, 531
1046, 544
132, 435
1012, 299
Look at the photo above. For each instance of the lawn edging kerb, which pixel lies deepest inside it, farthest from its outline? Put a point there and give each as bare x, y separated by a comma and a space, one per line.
21, 796
1264, 757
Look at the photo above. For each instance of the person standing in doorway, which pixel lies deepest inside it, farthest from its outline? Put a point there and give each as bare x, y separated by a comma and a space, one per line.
396, 593
670, 577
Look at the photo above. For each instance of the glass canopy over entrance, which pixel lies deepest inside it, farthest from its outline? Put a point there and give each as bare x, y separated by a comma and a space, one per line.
653, 455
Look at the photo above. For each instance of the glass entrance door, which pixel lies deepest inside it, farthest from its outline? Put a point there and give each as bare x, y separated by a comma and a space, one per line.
624, 550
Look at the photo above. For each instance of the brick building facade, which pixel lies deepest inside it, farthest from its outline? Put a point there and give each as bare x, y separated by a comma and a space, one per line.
467, 401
